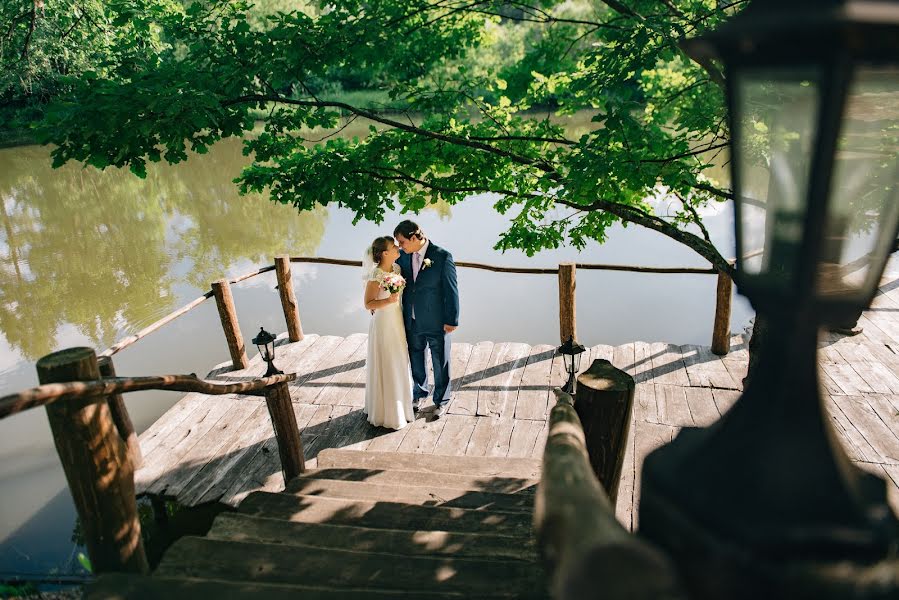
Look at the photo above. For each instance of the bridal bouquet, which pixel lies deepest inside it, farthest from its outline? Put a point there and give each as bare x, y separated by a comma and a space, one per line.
392, 282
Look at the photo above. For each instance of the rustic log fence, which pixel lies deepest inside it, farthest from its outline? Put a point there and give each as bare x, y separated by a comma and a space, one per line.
96, 442
587, 552
566, 273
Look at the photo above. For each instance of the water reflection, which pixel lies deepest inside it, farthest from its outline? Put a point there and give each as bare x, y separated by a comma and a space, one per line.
109, 253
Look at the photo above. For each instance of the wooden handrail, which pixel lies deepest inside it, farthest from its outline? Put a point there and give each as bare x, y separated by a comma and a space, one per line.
54, 392
128, 341
584, 545
526, 270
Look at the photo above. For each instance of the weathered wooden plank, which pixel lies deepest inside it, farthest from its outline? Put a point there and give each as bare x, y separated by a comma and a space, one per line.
642, 364
827, 353
207, 449
866, 419
163, 426
702, 406
725, 399
251, 434
534, 391
335, 362
264, 465
673, 407
852, 350
846, 378
305, 363
877, 376
389, 440
460, 354
829, 384
706, 369
500, 437
524, 437
181, 439
645, 406
465, 395
624, 504
603, 352
540, 444
623, 358
455, 435
347, 375
854, 443
648, 437
422, 437
668, 364
480, 437
499, 390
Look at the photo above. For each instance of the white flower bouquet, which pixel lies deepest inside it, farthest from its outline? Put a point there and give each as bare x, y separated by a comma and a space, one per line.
392, 282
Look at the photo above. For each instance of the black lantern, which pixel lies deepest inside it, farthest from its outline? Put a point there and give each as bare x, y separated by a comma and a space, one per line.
266, 344
571, 353
765, 502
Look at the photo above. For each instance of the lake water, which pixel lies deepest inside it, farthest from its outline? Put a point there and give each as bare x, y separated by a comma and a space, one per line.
87, 258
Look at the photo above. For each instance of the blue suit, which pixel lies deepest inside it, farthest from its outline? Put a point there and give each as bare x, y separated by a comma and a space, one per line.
434, 300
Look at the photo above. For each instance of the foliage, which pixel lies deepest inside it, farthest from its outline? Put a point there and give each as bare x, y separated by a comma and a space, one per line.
123, 265
458, 67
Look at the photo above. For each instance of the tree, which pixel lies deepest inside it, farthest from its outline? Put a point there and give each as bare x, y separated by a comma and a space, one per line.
482, 116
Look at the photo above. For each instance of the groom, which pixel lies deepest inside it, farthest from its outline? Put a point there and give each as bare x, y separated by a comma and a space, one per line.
430, 311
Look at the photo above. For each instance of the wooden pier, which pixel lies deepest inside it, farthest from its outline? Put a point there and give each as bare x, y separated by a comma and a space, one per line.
221, 448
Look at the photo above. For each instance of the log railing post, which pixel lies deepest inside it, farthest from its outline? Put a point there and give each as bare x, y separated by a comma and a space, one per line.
587, 551
96, 464
288, 298
721, 330
287, 433
604, 404
567, 314
119, 413
224, 301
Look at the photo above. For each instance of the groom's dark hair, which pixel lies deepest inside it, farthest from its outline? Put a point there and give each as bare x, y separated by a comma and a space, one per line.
409, 230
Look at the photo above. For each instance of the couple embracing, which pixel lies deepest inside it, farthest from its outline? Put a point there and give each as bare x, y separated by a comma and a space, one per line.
412, 294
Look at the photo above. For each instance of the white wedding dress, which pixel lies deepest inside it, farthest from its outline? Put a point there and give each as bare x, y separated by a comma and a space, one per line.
388, 378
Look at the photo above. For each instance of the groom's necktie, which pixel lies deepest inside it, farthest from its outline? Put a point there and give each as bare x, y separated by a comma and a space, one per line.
416, 265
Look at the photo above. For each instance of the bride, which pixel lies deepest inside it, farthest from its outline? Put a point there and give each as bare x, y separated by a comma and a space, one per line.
388, 383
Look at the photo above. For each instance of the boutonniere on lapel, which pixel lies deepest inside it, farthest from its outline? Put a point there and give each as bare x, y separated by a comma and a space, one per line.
426, 263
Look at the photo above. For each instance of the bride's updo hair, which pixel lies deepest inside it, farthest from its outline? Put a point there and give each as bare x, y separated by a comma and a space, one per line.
379, 247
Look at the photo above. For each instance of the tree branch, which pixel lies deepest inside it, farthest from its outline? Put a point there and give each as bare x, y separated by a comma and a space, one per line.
640, 217
373, 116
31, 25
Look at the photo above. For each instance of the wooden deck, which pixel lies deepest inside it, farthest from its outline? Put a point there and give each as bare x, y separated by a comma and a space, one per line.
221, 448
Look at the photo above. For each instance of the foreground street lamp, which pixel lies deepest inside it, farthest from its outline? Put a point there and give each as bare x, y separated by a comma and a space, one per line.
765, 503
265, 342
571, 353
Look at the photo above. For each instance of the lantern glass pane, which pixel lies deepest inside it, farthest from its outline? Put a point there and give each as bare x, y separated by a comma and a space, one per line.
864, 203
776, 114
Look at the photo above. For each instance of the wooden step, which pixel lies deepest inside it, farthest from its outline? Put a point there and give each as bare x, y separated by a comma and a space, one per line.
383, 515
423, 495
273, 563
244, 528
481, 466
140, 587
505, 485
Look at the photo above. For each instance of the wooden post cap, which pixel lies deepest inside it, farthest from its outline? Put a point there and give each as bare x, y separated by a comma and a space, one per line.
68, 364
604, 376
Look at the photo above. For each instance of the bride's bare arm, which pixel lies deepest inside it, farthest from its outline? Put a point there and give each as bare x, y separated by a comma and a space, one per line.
372, 289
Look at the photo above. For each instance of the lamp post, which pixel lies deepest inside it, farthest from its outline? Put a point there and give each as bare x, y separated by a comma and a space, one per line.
765, 503
571, 353
265, 342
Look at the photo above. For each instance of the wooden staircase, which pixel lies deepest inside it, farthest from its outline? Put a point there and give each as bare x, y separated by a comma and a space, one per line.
364, 525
